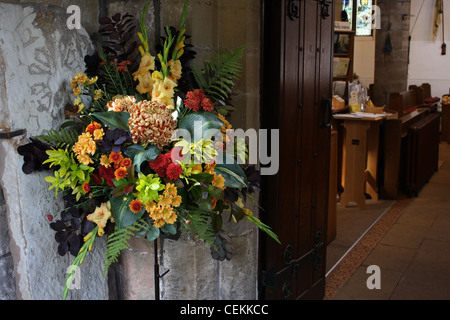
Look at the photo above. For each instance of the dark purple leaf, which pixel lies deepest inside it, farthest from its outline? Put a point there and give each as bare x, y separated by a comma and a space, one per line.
58, 225
61, 236
114, 35
76, 223
104, 20
62, 248
116, 17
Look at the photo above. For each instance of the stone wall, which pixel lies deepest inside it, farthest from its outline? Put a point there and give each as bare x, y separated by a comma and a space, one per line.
38, 57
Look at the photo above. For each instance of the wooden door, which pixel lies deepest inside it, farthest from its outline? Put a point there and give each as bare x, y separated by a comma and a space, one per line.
296, 93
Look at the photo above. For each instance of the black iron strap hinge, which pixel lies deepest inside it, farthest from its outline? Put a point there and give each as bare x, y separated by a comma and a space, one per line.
324, 8
11, 134
274, 280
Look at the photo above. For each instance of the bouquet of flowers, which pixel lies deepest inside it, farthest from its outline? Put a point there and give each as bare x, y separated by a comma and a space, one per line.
145, 149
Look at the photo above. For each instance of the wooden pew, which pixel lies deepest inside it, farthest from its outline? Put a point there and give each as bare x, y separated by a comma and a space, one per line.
401, 148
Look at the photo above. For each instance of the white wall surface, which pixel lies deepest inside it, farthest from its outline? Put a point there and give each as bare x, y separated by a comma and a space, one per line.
364, 59
427, 65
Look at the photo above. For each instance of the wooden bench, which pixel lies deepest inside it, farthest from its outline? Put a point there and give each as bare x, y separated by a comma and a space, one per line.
406, 102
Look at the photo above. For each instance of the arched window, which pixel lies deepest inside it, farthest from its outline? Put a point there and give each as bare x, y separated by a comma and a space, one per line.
363, 15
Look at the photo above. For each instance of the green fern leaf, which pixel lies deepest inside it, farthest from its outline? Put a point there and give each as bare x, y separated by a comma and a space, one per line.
60, 139
118, 241
219, 73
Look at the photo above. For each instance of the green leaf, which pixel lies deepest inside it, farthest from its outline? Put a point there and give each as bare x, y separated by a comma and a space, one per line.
122, 214
200, 122
232, 172
216, 222
153, 234
169, 229
113, 120
138, 154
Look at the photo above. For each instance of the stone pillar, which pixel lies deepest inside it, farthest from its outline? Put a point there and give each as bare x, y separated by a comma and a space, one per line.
38, 57
391, 70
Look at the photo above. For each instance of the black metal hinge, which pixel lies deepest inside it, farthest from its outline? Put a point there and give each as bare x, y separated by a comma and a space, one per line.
289, 272
11, 134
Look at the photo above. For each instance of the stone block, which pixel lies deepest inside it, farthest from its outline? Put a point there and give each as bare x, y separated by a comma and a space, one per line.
7, 278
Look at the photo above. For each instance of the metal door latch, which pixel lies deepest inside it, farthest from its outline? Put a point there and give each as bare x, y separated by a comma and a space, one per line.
12, 134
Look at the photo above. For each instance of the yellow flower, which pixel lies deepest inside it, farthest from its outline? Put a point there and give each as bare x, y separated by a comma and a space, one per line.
175, 69
145, 84
93, 80
77, 91
104, 161
163, 91
147, 64
98, 94
84, 159
100, 217
77, 101
98, 134
81, 107
82, 79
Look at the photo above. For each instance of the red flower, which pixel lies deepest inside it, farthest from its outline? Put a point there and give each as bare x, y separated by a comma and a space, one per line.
106, 173
160, 164
96, 178
173, 171
194, 99
86, 187
49, 217
136, 206
207, 104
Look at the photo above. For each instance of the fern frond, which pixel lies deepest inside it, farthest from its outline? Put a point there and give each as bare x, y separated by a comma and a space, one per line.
118, 241
60, 139
201, 225
219, 73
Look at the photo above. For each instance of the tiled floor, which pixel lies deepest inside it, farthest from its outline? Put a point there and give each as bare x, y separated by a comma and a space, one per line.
410, 243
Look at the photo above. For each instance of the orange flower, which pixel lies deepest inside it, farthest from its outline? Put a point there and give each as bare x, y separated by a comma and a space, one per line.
136, 206
86, 187
126, 162
219, 182
120, 173
159, 223
92, 127
116, 157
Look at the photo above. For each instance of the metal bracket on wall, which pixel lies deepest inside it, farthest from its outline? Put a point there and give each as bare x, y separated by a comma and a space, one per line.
12, 134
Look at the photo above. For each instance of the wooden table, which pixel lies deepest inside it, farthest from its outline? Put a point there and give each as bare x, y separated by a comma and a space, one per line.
360, 156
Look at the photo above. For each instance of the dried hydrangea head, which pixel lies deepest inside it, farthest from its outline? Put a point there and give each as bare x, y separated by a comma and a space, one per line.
151, 123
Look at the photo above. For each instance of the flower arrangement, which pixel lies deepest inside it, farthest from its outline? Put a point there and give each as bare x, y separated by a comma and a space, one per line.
120, 161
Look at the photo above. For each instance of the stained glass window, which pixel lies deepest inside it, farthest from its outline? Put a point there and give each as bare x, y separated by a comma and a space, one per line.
363, 15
